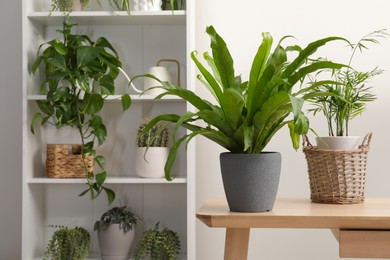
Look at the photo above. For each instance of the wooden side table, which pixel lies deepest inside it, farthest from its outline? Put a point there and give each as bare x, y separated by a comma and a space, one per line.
363, 230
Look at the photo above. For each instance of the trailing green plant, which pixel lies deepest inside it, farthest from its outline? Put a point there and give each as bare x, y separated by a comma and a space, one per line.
156, 136
158, 245
173, 4
347, 95
68, 244
123, 216
66, 5
79, 76
124, 5
247, 114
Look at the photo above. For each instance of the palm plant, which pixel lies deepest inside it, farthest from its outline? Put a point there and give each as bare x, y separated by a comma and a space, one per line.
247, 114
346, 96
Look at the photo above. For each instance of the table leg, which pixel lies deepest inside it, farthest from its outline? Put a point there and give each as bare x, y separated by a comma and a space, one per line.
236, 243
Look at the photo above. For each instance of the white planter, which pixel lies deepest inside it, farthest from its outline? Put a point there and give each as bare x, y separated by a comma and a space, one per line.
154, 5
151, 164
338, 142
114, 243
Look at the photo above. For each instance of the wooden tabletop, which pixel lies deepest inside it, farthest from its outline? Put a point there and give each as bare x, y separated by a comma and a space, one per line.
374, 213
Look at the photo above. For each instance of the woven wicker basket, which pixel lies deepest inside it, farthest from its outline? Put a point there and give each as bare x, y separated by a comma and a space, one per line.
65, 161
337, 176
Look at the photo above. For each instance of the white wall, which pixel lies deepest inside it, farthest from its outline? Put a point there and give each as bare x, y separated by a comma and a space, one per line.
10, 129
240, 23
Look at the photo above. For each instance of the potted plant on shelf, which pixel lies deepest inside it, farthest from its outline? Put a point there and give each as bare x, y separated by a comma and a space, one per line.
158, 245
337, 166
146, 5
116, 229
247, 115
68, 243
79, 76
152, 151
345, 97
68, 5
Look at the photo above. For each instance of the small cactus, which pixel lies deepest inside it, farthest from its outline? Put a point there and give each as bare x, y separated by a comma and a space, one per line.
157, 136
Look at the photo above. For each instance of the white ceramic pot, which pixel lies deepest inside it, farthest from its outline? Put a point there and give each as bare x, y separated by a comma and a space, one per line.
114, 243
154, 5
338, 142
151, 164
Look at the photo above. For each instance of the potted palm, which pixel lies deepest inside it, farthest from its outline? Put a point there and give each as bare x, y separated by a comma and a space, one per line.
247, 114
152, 150
68, 243
79, 75
345, 97
116, 230
158, 244
337, 166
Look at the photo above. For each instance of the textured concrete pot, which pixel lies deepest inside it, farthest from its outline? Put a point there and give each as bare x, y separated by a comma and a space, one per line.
251, 180
114, 244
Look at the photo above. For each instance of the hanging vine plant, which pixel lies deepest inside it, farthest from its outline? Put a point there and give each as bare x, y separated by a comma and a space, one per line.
79, 76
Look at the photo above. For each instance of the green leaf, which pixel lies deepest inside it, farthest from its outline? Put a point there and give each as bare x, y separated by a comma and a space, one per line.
212, 85
95, 122
297, 104
86, 54
307, 52
295, 138
94, 103
34, 120
103, 42
84, 192
110, 195
100, 178
232, 104
126, 101
107, 85
101, 134
100, 161
36, 64
258, 64
58, 61
222, 59
60, 47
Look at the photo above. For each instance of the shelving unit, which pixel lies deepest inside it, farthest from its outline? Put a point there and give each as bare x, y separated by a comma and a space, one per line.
140, 39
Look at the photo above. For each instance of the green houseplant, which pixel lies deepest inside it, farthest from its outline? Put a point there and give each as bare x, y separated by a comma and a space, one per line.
68, 243
152, 151
345, 97
158, 245
68, 5
247, 114
116, 229
337, 165
79, 75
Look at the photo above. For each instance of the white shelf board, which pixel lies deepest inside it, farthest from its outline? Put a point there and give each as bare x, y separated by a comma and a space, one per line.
117, 98
112, 18
109, 180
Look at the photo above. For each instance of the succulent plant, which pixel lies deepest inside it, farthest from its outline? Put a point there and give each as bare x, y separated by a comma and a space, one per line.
157, 136
126, 219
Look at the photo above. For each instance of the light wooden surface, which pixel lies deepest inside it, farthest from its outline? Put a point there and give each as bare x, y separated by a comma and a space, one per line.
236, 243
363, 230
300, 213
364, 243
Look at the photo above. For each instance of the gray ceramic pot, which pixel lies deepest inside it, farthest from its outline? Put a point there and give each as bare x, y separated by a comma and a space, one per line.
114, 244
251, 180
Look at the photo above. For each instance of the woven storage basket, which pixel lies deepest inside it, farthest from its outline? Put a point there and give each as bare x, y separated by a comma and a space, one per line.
337, 176
65, 161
